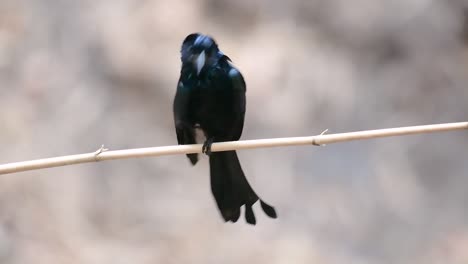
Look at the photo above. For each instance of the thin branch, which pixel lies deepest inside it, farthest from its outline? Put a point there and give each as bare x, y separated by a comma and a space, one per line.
322, 139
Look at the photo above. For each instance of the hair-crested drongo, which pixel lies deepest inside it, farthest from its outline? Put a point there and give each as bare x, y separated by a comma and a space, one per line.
211, 96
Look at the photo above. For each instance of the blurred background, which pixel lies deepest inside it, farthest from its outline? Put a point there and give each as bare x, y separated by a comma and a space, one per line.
78, 74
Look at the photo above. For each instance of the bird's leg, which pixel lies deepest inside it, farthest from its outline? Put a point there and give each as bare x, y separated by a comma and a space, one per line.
206, 149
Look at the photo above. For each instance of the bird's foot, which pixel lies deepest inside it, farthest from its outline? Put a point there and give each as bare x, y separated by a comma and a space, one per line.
206, 149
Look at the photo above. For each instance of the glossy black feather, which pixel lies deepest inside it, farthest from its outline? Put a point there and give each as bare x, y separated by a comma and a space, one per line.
211, 94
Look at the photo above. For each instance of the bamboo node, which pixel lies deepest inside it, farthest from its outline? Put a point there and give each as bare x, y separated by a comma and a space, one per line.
99, 151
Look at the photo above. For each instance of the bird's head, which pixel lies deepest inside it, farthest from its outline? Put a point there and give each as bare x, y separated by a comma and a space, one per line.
199, 51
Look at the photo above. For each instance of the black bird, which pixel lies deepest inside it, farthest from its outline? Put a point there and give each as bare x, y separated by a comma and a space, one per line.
211, 96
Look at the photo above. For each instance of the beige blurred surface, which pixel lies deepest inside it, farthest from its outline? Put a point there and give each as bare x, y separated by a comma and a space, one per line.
78, 74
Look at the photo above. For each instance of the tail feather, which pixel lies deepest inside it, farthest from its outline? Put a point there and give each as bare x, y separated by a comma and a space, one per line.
235, 216
231, 189
268, 209
249, 215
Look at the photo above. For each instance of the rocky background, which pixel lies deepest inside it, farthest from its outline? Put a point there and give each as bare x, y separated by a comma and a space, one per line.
78, 74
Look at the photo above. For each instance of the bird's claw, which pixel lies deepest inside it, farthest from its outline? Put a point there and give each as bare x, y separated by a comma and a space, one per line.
206, 149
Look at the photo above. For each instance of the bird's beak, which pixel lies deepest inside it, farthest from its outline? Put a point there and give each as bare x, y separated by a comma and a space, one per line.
200, 62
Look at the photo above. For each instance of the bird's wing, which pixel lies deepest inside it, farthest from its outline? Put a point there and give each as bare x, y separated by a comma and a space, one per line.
239, 101
184, 127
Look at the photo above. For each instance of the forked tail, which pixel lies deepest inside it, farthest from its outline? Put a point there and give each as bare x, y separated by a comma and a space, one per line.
232, 190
